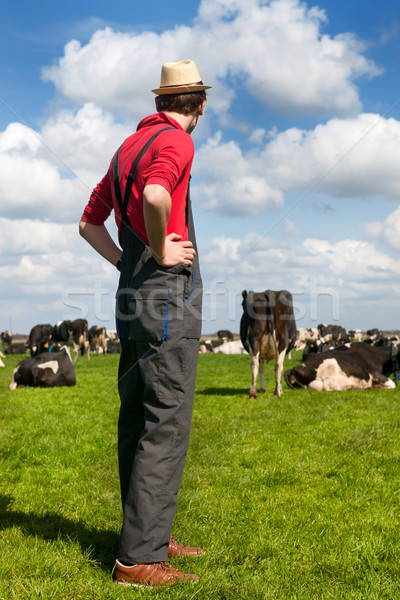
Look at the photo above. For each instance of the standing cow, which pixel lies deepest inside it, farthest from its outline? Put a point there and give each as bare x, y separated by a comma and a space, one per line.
98, 339
75, 334
268, 331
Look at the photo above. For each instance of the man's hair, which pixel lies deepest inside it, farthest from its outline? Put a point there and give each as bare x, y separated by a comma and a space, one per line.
183, 104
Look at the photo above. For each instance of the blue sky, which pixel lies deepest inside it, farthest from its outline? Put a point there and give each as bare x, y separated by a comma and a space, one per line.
296, 182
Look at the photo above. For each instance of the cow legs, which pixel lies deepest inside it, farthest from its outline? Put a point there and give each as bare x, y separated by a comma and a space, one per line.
261, 376
278, 372
87, 349
254, 372
76, 350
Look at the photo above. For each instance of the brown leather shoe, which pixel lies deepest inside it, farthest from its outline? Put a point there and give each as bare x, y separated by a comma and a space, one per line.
176, 549
151, 574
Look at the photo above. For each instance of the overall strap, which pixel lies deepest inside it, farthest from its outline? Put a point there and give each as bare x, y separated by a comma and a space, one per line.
123, 204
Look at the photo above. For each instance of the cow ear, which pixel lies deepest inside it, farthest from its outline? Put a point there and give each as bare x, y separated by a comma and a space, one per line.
244, 294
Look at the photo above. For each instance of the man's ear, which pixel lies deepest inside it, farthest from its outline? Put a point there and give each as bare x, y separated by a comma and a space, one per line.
200, 110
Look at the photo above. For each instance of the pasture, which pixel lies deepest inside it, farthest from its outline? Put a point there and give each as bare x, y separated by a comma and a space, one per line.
293, 498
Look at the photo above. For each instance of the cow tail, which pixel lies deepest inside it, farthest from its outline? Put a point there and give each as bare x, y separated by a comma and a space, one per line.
244, 328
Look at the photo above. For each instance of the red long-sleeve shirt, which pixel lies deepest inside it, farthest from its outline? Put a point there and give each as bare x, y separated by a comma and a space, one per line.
167, 162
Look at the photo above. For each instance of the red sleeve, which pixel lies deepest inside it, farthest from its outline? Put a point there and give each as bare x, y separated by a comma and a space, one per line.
173, 154
100, 204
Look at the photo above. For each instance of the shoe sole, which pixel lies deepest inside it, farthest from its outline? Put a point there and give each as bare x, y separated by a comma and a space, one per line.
145, 585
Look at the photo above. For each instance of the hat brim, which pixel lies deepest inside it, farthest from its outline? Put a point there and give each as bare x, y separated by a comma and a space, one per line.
180, 89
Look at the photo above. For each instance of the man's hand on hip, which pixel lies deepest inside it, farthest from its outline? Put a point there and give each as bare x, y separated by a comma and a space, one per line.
175, 252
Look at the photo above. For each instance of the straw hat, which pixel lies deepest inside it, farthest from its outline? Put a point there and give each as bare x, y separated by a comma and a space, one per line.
180, 77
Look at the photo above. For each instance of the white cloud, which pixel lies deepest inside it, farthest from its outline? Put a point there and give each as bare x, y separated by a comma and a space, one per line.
50, 174
343, 158
25, 236
276, 50
86, 138
266, 262
388, 230
233, 184
349, 282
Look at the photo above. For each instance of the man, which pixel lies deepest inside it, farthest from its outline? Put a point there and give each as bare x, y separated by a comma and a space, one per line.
158, 314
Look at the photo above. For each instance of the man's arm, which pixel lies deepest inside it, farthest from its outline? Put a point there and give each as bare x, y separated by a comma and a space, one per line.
167, 251
99, 238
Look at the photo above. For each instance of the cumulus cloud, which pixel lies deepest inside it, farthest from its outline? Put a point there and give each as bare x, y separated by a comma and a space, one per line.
276, 50
25, 236
350, 277
345, 262
233, 184
343, 158
388, 230
49, 174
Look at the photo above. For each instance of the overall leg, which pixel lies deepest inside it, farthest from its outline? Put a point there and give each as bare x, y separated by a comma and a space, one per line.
131, 414
168, 370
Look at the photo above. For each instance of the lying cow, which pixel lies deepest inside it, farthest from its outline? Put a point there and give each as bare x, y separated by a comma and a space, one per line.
357, 367
12, 348
45, 370
38, 337
235, 347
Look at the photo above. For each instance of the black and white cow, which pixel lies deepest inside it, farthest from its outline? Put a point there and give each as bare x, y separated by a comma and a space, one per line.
45, 370
267, 331
358, 367
12, 348
304, 335
233, 347
38, 337
6, 338
73, 333
319, 345
98, 339
333, 333
224, 335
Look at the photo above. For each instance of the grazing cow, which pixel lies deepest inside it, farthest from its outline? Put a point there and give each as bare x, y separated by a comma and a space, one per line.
267, 331
358, 367
75, 334
224, 335
333, 333
235, 347
45, 371
38, 337
98, 339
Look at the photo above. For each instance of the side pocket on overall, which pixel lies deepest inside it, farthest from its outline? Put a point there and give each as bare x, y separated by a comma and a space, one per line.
146, 318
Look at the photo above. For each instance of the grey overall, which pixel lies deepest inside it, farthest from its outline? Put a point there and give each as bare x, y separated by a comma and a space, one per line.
158, 314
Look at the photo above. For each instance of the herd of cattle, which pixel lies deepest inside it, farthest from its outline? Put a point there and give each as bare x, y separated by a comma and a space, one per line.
51, 364
332, 357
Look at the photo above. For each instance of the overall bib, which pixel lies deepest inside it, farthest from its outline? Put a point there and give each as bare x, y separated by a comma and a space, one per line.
158, 313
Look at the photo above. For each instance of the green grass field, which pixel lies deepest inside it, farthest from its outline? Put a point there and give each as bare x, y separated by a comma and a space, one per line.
293, 498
